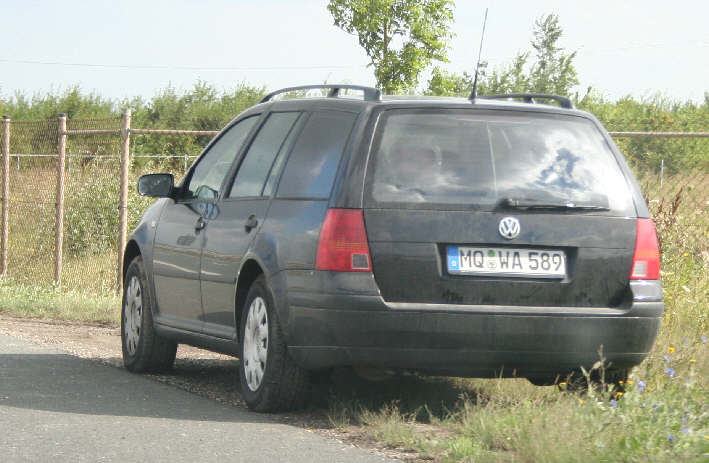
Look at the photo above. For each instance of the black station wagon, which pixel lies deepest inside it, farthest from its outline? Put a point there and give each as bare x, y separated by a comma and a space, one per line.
465, 237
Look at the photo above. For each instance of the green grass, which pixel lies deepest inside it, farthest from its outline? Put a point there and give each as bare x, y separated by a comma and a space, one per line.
33, 301
660, 417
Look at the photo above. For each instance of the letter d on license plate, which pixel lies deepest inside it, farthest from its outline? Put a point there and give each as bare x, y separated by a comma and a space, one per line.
539, 263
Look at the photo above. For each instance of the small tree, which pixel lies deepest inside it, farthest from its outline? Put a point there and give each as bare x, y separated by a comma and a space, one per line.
553, 72
401, 37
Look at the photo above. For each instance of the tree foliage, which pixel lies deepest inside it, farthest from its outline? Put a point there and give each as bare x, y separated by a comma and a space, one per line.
202, 107
655, 114
551, 71
401, 37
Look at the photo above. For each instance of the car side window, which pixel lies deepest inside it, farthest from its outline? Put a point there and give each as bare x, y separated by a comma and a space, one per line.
209, 173
259, 159
311, 167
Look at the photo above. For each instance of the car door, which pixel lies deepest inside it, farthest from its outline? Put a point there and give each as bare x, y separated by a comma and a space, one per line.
179, 237
240, 214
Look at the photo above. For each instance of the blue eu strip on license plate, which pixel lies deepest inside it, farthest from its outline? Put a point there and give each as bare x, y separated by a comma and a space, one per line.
453, 258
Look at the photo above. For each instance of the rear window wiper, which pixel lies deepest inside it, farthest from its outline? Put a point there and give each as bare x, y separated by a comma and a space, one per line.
526, 204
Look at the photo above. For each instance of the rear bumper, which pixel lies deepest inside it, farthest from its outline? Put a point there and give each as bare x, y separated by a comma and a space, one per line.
347, 326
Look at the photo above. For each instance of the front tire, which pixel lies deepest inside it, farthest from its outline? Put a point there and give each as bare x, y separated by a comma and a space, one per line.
143, 349
270, 379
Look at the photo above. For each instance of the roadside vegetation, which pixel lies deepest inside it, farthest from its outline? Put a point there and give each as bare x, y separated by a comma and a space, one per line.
46, 302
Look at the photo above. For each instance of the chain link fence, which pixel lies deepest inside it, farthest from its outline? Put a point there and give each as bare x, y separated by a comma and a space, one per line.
91, 203
91, 181
32, 201
86, 194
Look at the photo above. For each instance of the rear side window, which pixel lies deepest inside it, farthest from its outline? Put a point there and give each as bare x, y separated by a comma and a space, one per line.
311, 167
428, 159
255, 167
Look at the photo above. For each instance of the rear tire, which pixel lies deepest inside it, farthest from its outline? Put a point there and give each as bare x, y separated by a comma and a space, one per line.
270, 379
143, 349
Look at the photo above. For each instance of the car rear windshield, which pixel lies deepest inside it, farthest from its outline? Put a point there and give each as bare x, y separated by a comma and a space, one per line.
473, 159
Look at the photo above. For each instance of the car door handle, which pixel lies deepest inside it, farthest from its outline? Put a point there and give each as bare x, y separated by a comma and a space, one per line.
251, 223
201, 223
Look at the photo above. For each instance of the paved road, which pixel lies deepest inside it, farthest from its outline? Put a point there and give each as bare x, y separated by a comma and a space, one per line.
56, 407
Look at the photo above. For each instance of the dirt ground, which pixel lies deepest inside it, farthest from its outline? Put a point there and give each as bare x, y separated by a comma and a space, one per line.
198, 371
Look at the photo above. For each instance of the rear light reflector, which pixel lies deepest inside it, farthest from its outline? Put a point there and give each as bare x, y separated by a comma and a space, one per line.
343, 243
646, 260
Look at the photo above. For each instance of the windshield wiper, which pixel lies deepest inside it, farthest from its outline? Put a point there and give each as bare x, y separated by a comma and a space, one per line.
527, 204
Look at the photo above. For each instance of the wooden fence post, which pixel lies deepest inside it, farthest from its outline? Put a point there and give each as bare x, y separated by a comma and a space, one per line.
5, 192
123, 206
59, 221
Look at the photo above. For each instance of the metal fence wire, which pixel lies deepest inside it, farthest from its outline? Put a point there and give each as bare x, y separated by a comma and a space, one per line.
91, 203
92, 183
32, 202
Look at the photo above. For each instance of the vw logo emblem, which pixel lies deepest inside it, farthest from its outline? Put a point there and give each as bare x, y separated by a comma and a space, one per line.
509, 228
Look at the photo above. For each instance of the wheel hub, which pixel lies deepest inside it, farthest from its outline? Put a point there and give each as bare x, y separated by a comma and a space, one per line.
255, 343
132, 315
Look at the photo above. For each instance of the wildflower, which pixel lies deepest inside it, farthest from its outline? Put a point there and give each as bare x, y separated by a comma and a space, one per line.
580, 401
666, 358
684, 420
692, 360
704, 339
670, 372
562, 384
686, 254
628, 382
685, 430
614, 403
684, 340
655, 405
641, 386
671, 350
620, 382
670, 437
618, 393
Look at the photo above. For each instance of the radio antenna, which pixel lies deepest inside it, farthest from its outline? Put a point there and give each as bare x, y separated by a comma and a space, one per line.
474, 93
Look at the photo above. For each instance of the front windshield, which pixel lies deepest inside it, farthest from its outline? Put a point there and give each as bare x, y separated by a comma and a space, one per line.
468, 158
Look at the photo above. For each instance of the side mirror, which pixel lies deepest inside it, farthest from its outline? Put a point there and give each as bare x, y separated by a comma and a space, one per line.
156, 185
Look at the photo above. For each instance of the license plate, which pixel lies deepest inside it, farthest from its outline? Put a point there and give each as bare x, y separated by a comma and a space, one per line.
541, 263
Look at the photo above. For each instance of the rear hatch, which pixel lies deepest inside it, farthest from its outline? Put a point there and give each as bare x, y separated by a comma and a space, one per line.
497, 207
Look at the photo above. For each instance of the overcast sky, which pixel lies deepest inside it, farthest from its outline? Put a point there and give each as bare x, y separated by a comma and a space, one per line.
126, 48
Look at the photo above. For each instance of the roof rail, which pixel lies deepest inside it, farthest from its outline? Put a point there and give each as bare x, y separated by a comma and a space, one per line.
563, 101
370, 93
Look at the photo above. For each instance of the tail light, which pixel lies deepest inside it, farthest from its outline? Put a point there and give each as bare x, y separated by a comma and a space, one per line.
646, 260
343, 243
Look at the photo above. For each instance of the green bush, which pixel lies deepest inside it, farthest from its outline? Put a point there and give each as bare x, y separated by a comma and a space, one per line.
91, 213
